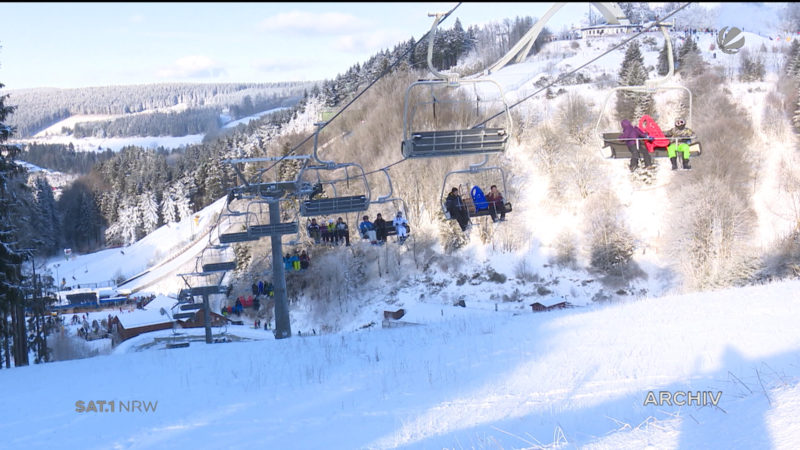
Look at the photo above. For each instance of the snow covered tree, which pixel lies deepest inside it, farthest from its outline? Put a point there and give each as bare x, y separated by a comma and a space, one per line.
796, 116
288, 169
632, 105
793, 59
751, 67
663, 61
183, 198
11, 257
129, 224
637, 12
148, 208
612, 242
690, 62
169, 206
47, 222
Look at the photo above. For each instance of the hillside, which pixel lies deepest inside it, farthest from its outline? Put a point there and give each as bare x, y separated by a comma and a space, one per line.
538, 215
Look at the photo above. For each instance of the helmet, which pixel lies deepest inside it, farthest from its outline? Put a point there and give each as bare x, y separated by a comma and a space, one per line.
399, 213
680, 122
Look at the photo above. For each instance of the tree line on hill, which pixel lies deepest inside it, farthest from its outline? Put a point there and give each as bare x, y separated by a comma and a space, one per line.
40, 108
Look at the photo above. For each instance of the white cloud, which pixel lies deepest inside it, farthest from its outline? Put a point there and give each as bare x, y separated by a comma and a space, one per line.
315, 23
287, 64
136, 18
371, 41
193, 66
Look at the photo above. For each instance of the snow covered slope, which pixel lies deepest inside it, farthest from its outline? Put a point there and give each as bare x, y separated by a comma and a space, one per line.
464, 378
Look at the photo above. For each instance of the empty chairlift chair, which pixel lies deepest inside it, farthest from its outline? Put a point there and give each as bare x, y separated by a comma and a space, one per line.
313, 207
429, 141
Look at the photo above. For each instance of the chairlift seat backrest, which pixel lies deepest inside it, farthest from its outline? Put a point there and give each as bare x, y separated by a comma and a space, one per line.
256, 232
219, 267
191, 306
333, 206
186, 315
474, 141
205, 290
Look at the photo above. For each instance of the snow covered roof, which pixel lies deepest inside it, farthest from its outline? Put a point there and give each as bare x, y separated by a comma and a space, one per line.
150, 315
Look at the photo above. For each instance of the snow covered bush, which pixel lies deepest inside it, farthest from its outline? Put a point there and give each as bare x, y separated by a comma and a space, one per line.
566, 250
711, 235
783, 259
611, 241
751, 67
575, 115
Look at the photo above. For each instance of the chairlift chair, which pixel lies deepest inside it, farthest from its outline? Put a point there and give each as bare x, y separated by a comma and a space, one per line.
313, 207
422, 143
218, 258
395, 201
618, 147
251, 228
474, 208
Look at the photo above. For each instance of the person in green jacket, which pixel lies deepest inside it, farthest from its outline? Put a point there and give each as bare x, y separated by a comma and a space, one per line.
680, 138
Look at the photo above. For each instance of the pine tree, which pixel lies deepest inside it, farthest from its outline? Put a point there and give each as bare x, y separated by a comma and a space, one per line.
127, 229
148, 208
11, 258
47, 222
796, 116
169, 207
663, 61
184, 192
690, 62
632, 105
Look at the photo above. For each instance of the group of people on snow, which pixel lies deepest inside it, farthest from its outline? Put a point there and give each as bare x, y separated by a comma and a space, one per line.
681, 136
457, 209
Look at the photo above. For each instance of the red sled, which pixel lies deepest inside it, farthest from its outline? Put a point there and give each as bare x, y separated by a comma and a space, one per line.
649, 126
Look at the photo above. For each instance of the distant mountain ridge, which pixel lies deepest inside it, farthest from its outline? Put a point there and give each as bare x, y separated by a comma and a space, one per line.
39, 108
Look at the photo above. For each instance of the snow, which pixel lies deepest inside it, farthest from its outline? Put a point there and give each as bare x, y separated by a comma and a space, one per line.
492, 374
115, 144
150, 314
160, 253
53, 135
248, 119
463, 378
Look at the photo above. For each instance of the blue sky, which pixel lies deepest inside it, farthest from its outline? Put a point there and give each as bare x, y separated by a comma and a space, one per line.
96, 44
93, 44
